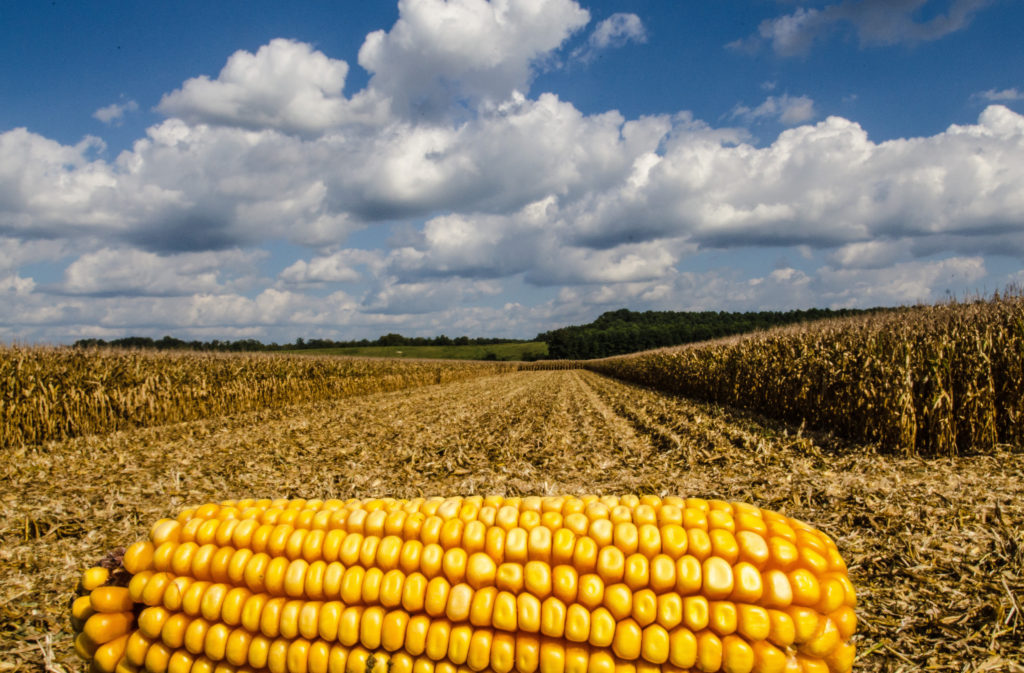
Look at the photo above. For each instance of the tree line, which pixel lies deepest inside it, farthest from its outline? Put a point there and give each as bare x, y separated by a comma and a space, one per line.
625, 331
245, 345
613, 333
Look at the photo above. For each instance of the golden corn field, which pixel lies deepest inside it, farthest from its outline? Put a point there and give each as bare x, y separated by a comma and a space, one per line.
98, 446
934, 381
51, 393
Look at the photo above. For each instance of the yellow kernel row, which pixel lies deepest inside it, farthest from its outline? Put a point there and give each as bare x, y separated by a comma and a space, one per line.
440, 640
715, 578
492, 550
381, 522
500, 610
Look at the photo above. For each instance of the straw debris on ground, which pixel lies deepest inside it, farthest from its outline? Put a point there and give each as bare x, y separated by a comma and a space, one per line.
935, 546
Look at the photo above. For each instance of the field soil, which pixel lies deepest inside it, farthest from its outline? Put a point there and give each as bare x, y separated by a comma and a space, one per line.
935, 547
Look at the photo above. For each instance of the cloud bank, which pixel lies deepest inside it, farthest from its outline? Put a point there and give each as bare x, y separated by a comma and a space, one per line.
480, 193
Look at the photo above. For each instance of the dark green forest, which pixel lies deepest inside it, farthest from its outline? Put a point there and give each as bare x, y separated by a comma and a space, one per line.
625, 331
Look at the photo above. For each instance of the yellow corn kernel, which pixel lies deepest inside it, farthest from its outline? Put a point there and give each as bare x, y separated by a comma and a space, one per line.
138, 557
782, 630
805, 622
577, 623
348, 626
453, 565
584, 555
752, 548
674, 540
841, 659
528, 613
479, 654
460, 601
93, 578
601, 662
416, 635
552, 617
709, 652
577, 659
136, 647
537, 578
527, 655
682, 645
637, 573
137, 584
236, 647
481, 610
503, 652
768, 658
670, 610
825, 639
846, 621
718, 581
108, 654
458, 643
611, 564
84, 647
777, 591
81, 609
103, 627
436, 598
510, 577
370, 591
737, 655
590, 592
552, 657
481, 570
505, 611
696, 612
655, 644
619, 601
438, 634
689, 578
699, 543
602, 628
645, 607
158, 658
723, 617
753, 622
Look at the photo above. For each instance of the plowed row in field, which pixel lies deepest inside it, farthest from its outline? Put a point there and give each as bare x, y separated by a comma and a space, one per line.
936, 547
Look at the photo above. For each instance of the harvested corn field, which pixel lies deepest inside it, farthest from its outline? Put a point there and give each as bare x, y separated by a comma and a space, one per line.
935, 547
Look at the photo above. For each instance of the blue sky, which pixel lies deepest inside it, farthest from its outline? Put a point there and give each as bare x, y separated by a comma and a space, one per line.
342, 170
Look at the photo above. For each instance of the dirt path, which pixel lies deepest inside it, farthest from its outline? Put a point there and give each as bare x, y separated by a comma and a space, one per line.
936, 547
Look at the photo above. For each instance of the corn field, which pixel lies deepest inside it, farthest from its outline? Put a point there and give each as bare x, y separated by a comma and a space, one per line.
932, 381
56, 393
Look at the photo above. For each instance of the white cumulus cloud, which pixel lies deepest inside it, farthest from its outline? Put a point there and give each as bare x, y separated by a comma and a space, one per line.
443, 53
286, 85
788, 110
875, 22
114, 113
1000, 95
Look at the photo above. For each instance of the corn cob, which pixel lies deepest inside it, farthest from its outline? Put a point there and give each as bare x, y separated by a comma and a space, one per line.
551, 584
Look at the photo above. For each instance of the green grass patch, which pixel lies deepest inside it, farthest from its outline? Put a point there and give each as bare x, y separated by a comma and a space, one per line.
531, 350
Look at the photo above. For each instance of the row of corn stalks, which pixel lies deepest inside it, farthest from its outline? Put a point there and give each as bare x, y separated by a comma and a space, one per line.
932, 381
55, 393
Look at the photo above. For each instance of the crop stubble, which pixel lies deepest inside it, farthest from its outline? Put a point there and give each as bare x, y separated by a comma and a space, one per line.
935, 546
